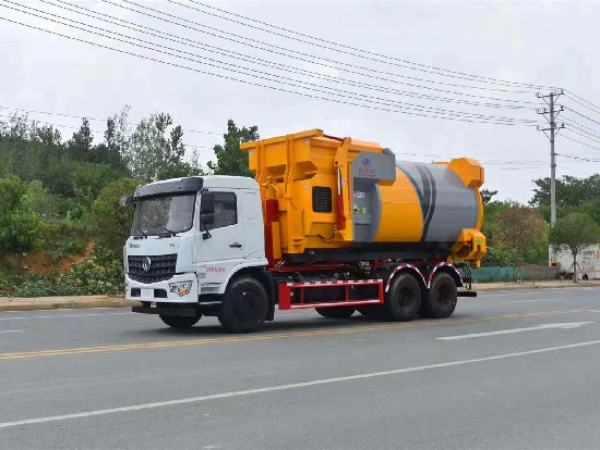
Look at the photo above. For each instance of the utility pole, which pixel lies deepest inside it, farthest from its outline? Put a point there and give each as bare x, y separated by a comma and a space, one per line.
551, 114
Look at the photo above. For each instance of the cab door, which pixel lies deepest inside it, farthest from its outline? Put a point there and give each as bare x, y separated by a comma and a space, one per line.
219, 245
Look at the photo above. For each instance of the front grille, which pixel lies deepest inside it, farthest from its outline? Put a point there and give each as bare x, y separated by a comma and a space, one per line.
162, 268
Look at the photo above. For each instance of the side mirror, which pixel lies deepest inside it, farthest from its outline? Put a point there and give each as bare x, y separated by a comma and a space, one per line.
125, 201
207, 206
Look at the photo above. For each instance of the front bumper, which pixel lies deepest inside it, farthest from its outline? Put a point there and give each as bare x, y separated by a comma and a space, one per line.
161, 291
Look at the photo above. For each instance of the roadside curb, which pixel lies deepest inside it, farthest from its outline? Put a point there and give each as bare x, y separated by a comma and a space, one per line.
108, 303
484, 288
103, 302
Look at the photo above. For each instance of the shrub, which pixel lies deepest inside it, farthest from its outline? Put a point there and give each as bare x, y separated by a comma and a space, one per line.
20, 227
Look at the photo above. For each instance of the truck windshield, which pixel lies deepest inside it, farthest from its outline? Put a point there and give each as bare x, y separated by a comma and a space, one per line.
162, 215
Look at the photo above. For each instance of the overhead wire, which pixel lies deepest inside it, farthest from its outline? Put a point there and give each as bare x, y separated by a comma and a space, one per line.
593, 105
581, 142
579, 125
514, 104
583, 135
236, 38
369, 55
98, 132
578, 158
446, 117
581, 115
319, 60
275, 78
72, 116
582, 104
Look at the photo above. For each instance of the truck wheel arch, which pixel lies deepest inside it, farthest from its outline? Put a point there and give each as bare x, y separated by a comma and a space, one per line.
404, 268
445, 268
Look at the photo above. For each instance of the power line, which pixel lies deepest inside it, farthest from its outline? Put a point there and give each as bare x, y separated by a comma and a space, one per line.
371, 56
582, 143
254, 60
318, 63
580, 126
293, 55
582, 99
72, 116
583, 134
582, 104
578, 158
277, 78
582, 115
446, 117
369, 70
36, 123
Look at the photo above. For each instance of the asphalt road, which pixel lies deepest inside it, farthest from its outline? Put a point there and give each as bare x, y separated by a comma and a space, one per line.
510, 370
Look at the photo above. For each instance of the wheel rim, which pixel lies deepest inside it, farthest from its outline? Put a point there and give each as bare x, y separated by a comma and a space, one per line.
248, 304
444, 296
408, 299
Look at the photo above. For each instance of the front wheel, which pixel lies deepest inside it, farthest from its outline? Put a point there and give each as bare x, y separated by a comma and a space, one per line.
245, 305
336, 313
180, 322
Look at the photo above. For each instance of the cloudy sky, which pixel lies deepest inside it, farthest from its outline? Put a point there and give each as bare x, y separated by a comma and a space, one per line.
218, 69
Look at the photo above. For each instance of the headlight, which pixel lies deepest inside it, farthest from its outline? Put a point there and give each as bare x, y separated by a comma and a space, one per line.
182, 288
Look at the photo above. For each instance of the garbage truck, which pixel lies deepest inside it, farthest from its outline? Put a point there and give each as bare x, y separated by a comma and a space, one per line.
333, 224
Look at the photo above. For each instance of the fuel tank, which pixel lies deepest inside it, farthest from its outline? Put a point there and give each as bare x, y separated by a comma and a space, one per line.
334, 199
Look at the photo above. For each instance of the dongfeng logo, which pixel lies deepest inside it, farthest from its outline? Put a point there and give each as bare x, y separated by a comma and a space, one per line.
147, 264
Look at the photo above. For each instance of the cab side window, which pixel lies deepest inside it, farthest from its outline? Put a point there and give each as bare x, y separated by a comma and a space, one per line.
225, 210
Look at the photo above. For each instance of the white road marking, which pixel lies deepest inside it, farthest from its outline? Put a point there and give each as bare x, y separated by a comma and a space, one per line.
62, 316
564, 326
286, 387
593, 310
12, 331
536, 300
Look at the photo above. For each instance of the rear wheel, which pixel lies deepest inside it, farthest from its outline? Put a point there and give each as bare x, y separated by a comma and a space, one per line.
336, 313
180, 322
245, 305
440, 301
404, 298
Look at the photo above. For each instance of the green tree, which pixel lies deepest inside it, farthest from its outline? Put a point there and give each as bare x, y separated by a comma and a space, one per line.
155, 146
230, 160
570, 191
80, 145
487, 195
574, 233
41, 201
111, 223
20, 227
521, 229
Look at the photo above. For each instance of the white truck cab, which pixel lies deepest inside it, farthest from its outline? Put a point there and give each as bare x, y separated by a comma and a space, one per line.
190, 236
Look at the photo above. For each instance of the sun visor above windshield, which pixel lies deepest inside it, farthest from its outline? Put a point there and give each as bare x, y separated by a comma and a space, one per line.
173, 186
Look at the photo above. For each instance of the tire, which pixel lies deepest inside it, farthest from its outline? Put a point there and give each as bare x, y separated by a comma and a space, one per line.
440, 301
245, 305
180, 322
343, 312
403, 300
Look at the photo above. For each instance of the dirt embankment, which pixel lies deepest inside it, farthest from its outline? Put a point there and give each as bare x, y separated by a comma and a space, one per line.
40, 262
